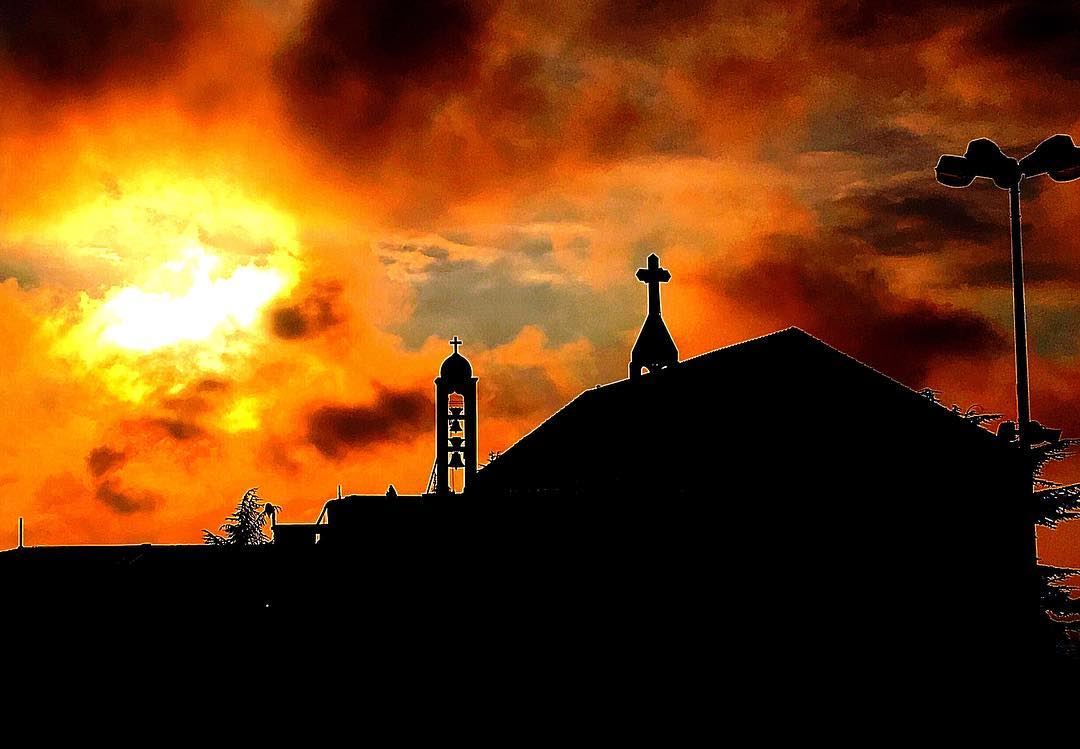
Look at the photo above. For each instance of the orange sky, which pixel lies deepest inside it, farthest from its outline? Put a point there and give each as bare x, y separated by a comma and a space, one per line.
234, 238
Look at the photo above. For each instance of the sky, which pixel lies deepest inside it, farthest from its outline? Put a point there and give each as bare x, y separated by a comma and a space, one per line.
236, 237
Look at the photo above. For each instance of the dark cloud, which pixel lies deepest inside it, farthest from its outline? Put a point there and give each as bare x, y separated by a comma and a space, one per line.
640, 26
316, 312
394, 416
905, 340
126, 502
902, 220
998, 273
210, 385
83, 44
289, 323
358, 72
884, 22
180, 429
103, 459
513, 392
1040, 35
857, 130
857, 311
872, 22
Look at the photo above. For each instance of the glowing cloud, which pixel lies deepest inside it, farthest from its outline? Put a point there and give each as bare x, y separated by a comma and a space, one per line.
195, 307
195, 263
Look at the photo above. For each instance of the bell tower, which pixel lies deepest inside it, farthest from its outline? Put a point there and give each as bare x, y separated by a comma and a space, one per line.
655, 348
455, 424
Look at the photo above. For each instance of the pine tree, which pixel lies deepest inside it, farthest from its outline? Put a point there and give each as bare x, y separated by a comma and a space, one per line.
245, 526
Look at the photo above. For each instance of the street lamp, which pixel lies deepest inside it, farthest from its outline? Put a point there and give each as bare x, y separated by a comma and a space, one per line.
1058, 157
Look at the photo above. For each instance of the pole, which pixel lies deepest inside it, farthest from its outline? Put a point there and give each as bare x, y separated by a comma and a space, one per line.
1023, 406
1039, 623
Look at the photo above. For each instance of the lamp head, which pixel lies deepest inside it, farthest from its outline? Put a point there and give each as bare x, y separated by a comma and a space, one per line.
983, 158
988, 161
1056, 156
954, 171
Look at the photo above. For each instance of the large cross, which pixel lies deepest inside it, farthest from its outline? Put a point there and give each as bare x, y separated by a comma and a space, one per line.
455, 342
654, 275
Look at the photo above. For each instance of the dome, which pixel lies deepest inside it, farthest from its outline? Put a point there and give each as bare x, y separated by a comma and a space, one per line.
456, 368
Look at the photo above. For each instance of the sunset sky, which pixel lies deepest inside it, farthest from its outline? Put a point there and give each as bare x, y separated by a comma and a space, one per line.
235, 237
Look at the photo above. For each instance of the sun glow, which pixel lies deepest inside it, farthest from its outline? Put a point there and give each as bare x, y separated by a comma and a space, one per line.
193, 265
187, 300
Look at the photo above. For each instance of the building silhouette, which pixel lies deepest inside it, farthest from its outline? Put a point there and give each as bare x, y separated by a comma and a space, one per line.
455, 422
772, 504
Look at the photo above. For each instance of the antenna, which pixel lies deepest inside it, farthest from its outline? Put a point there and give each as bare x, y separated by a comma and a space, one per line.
20, 532
339, 491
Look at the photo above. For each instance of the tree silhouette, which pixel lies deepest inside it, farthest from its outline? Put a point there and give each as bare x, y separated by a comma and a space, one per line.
1062, 609
975, 415
1053, 504
245, 526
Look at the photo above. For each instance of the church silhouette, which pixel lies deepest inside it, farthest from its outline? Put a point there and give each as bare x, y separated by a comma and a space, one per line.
774, 504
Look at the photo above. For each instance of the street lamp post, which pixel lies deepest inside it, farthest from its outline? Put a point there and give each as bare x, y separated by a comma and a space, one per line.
1023, 396
1058, 157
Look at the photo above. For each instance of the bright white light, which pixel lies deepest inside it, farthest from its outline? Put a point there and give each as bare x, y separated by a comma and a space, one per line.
184, 301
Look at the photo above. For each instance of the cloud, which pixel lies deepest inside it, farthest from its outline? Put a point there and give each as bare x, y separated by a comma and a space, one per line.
394, 416
639, 117
639, 27
491, 303
211, 385
80, 45
177, 429
316, 312
24, 273
1038, 33
887, 21
857, 311
358, 72
998, 273
858, 129
899, 220
103, 459
124, 501
513, 392
906, 339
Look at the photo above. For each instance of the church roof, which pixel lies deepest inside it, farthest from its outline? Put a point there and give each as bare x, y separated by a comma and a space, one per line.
786, 388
